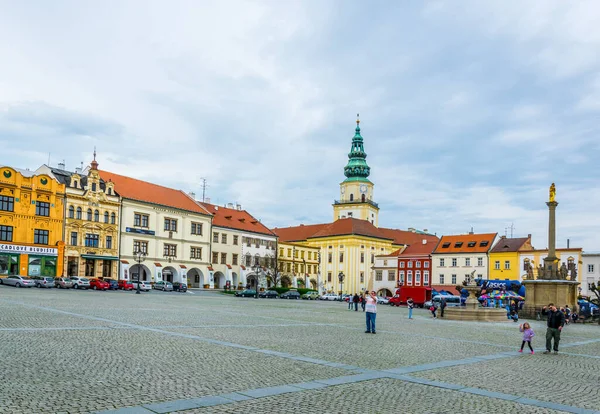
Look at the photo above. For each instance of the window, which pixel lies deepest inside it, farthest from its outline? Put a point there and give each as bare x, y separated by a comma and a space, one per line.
196, 253
92, 240
454, 262
224, 238
401, 277
236, 240
71, 212
106, 268
79, 213
302, 254
7, 203
94, 187
170, 224
89, 214
410, 264
140, 220
458, 244
75, 183
480, 261
372, 258
140, 246
96, 215
309, 255
472, 244
426, 264
234, 259
409, 278
441, 279
329, 257
454, 279
426, 278
378, 275
362, 277
402, 264
507, 265
73, 238
106, 217
467, 261
341, 257
295, 253
289, 267
257, 260
445, 245
590, 267
418, 278
42, 209
108, 244
418, 263
257, 244
385, 262
215, 237
248, 260
197, 229
223, 258
484, 243
351, 197
6, 233
442, 263
391, 275
248, 242
329, 276
113, 218
170, 250
497, 265
215, 258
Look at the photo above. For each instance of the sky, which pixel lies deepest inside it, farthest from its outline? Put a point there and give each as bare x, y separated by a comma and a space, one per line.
469, 109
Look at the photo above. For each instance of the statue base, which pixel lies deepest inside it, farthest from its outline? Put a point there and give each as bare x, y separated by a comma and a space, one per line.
472, 311
539, 293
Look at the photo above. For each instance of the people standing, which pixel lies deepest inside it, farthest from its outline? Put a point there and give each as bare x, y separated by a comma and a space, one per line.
556, 321
350, 302
356, 299
411, 305
443, 305
567, 314
371, 307
528, 335
363, 302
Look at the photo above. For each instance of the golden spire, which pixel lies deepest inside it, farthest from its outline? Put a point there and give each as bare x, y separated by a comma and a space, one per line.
357, 119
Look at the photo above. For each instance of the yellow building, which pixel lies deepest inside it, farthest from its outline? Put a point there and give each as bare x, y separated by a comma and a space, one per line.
570, 257
31, 223
298, 265
349, 244
504, 257
91, 222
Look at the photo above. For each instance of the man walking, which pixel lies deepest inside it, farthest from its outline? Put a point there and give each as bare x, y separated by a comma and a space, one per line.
411, 305
350, 302
442, 306
371, 307
356, 299
556, 321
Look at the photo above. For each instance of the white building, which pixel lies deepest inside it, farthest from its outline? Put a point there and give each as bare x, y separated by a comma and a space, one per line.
385, 271
590, 272
169, 226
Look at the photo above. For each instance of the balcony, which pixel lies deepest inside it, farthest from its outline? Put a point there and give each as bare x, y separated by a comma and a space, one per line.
372, 203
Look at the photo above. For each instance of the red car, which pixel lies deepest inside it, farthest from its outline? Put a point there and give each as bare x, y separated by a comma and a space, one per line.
98, 284
125, 284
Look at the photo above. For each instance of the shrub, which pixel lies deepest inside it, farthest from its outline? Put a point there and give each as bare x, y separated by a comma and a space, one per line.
302, 291
228, 292
280, 290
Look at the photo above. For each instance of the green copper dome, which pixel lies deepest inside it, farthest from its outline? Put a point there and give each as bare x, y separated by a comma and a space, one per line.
357, 168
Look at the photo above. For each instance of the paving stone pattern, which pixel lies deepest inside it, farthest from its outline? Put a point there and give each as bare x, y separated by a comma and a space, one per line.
86, 351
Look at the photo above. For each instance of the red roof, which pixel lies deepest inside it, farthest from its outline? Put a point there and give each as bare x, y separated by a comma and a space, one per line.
417, 249
138, 190
235, 219
350, 226
297, 233
405, 237
466, 243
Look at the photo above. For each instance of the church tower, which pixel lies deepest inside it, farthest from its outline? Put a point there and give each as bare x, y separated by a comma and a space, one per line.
356, 191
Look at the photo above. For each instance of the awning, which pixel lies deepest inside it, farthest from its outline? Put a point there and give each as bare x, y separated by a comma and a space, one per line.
93, 256
182, 266
243, 267
157, 264
124, 262
228, 266
210, 268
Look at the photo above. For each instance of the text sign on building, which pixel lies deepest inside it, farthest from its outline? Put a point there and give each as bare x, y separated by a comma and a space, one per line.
16, 248
139, 231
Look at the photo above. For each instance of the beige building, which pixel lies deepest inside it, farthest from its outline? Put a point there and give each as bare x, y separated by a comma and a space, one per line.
298, 265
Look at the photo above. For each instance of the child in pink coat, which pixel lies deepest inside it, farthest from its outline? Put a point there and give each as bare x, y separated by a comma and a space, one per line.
528, 335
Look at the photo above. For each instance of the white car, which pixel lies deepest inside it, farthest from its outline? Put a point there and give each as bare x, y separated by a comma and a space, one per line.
18, 281
382, 300
80, 282
330, 296
145, 286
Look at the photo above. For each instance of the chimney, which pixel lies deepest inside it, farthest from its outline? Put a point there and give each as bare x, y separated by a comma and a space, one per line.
529, 236
238, 207
568, 243
207, 200
503, 237
471, 232
229, 205
216, 208
61, 165
411, 229
193, 195
424, 241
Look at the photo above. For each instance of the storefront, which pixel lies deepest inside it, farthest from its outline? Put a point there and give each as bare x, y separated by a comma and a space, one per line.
25, 260
9, 264
99, 266
42, 265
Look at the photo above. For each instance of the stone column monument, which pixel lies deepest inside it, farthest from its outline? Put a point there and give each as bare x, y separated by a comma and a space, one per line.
551, 261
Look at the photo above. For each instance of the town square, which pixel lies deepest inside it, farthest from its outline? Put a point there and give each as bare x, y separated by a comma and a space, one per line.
321, 206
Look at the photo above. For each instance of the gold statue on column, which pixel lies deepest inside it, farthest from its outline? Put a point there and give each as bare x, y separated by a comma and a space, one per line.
552, 193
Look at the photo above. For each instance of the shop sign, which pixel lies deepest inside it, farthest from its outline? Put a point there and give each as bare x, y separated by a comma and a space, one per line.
139, 231
16, 248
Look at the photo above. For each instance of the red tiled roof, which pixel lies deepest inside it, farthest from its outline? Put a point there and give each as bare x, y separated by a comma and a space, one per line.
139, 190
350, 226
420, 248
407, 237
235, 219
460, 243
509, 244
297, 233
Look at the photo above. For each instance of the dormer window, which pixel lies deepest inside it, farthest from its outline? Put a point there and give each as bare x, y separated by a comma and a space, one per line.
445, 245
458, 244
75, 183
484, 243
93, 186
472, 244
110, 191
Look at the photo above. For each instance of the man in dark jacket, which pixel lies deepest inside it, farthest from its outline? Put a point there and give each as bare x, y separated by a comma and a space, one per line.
443, 305
356, 299
556, 321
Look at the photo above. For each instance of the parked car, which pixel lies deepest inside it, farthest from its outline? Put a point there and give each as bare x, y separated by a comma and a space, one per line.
179, 287
63, 283
246, 293
383, 300
145, 286
125, 284
330, 296
112, 283
345, 297
451, 300
99, 284
18, 281
268, 294
163, 285
290, 294
43, 281
80, 282
311, 296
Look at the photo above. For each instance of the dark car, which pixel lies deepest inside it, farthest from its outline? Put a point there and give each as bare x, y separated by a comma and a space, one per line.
179, 287
113, 284
246, 293
292, 294
268, 294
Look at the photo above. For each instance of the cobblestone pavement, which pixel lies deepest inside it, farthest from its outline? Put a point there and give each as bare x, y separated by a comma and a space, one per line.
87, 351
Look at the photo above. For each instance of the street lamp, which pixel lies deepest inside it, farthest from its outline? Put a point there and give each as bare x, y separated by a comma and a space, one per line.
341, 279
305, 274
256, 269
140, 256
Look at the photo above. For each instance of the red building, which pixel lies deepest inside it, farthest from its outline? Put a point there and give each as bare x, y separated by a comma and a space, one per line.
414, 264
